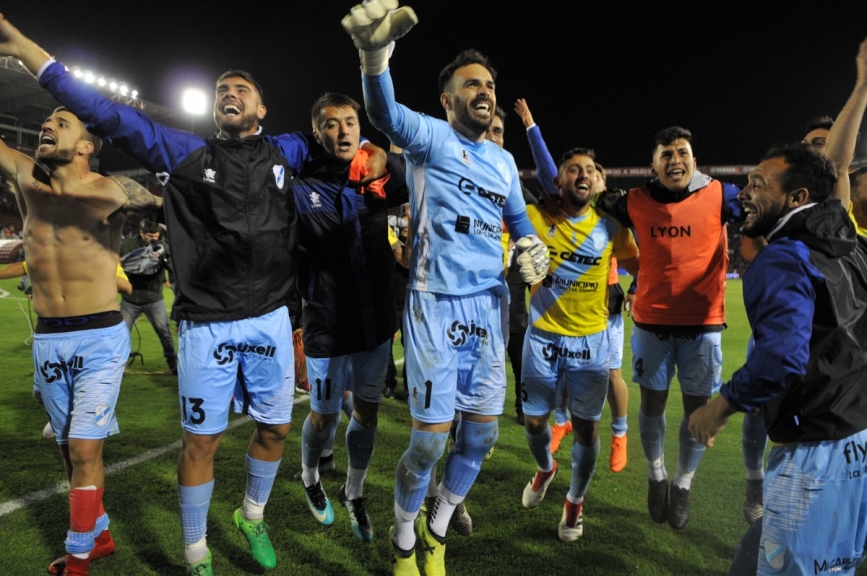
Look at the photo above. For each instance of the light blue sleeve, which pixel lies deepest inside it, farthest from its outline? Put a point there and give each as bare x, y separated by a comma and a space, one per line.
515, 210
405, 128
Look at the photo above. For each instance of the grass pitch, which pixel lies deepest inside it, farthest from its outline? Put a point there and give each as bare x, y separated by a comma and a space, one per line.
141, 498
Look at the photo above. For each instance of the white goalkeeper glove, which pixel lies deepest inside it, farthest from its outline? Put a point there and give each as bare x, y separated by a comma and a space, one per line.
374, 25
532, 259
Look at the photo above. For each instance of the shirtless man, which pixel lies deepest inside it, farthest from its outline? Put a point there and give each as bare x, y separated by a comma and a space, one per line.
72, 230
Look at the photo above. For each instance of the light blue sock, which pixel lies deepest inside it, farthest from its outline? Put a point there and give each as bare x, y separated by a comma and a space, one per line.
101, 525
195, 501
691, 451
619, 425
414, 468
359, 444
312, 444
473, 441
653, 441
754, 441
540, 448
583, 467
329, 446
260, 480
561, 415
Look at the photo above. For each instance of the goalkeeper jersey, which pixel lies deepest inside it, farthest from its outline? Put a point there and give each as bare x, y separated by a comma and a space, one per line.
573, 299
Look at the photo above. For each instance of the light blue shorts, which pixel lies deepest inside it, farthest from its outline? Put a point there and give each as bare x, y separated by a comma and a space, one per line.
815, 499
78, 377
697, 358
551, 359
615, 341
362, 373
250, 360
455, 356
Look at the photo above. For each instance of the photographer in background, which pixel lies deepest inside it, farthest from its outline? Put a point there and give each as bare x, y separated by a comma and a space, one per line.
145, 259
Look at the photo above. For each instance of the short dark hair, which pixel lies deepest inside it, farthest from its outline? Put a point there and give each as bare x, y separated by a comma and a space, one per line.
465, 58
819, 122
806, 169
148, 226
668, 135
331, 99
95, 140
246, 76
856, 175
501, 114
577, 152
601, 170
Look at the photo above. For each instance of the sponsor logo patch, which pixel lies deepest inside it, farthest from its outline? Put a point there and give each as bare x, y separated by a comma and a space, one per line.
53, 371
225, 352
459, 332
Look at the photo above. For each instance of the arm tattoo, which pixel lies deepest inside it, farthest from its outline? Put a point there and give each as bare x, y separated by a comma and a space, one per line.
138, 198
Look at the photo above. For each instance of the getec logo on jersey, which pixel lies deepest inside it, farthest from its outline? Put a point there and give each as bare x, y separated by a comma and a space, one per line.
567, 256
458, 333
467, 186
54, 371
225, 353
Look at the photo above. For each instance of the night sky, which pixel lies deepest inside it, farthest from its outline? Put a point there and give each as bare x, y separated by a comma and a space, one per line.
606, 76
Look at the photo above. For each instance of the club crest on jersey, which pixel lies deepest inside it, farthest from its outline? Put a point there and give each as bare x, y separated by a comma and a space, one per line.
465, 157
598, 239
279, 173
415, 395
552, 231
210, 175
315, 200
101, 414
774, 554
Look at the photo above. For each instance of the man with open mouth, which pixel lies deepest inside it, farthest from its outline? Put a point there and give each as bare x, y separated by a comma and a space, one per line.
679, 219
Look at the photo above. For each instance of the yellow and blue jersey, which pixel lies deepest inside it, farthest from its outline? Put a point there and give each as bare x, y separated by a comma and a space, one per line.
573, 299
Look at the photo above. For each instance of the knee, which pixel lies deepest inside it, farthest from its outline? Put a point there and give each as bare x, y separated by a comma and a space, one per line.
366, 413
475, 439
425, 448
83, 456
200, 447
586, 432
272, 434
322, 422
653, 401
535, 425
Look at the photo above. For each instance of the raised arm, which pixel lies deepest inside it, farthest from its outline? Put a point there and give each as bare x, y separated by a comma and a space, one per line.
14, 43
844, 133
546, 169
155, 146
374, 26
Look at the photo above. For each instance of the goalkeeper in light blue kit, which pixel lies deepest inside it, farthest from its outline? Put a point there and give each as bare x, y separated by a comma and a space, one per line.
462, 188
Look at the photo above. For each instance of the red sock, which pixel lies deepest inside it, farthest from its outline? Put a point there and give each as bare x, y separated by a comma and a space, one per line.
83, 508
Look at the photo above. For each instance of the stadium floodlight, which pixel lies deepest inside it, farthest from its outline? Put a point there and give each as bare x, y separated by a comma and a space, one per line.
100, 81
112, 84
134, 94
76, 71
89, 77
123, 89
194, 101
